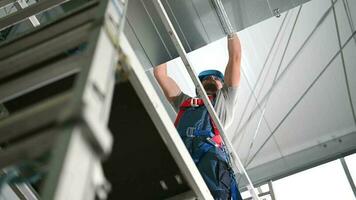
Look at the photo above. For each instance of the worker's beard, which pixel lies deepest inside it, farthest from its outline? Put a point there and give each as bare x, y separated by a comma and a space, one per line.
210, 87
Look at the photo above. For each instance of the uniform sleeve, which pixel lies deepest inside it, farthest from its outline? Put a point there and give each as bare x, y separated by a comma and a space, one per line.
225, 104
230, 94
178, 101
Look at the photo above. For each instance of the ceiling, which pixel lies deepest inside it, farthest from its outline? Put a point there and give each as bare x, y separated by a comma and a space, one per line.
195, 21
293, 72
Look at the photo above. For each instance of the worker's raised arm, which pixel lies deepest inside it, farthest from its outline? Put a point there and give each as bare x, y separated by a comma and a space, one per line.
168, 85
232, 72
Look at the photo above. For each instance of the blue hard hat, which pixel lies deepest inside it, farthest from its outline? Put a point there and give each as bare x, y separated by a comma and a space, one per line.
211, 72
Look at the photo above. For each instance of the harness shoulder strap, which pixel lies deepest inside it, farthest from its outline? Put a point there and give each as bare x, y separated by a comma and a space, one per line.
194, 102
197, 102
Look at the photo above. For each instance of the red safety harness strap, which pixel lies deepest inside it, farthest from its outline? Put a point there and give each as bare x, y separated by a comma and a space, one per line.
196, 102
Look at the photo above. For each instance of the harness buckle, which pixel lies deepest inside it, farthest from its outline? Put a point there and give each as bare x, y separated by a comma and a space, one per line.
211, 141
194, 102
190, 131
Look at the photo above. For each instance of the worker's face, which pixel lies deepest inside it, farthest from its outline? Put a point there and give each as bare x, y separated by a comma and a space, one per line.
212, 84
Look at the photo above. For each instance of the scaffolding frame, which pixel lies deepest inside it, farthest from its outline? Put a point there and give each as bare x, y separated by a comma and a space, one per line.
80, 133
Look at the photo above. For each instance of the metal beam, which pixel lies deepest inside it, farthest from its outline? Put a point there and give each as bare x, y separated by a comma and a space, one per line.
25, 191
22, 4
186, 196
10, 129
38, 78
28, 12
262, 194
36, 55
5, 2
28, 148
348, 175
70, 21
3, 111
349, 17
271, 190
224, 19
344, 65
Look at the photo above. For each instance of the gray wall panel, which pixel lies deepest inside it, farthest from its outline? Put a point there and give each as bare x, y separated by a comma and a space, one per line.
209, 20
187, 23
135, 43
245, 13
144, 29
195, 21
284, 5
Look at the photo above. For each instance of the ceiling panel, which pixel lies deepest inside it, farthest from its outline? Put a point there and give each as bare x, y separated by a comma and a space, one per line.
243, 143
142, 26
323, 114
269, 153
244, 13
243, 94
350, 62
187, 23
314, 131
209, 20
139, 51
257, 44
274, 59
195, 21
307, 66
308, 19
351, 6
344, 23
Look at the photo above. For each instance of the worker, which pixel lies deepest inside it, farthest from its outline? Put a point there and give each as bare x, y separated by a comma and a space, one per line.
196, 127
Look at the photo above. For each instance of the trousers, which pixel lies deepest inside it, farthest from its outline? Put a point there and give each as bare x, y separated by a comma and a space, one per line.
212, 164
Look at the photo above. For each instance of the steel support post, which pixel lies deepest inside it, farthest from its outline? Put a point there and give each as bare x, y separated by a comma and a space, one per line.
348, 175
271, 191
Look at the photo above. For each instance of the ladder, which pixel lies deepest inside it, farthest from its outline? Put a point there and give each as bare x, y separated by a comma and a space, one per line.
237, 164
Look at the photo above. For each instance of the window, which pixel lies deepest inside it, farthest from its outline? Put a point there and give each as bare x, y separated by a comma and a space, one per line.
327, 182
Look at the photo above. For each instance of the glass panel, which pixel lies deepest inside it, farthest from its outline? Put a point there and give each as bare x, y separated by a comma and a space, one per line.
327, 182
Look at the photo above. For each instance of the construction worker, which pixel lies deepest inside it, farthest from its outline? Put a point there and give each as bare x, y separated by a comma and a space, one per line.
196, 127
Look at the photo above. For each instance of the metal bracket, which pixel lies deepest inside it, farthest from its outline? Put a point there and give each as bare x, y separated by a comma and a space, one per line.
277, 12
22, 4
